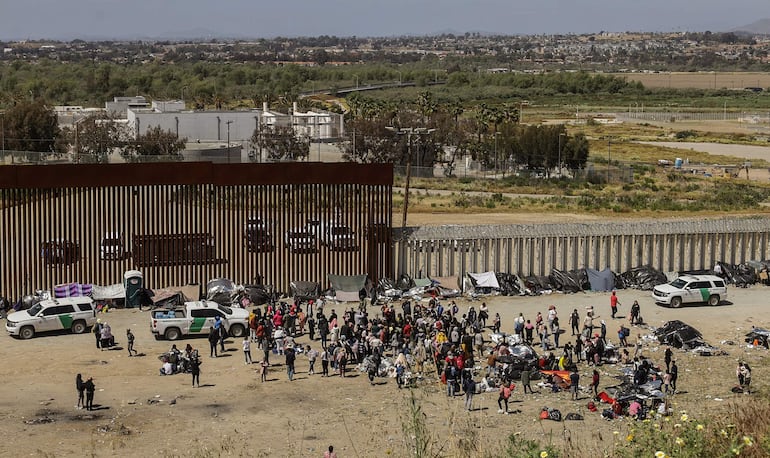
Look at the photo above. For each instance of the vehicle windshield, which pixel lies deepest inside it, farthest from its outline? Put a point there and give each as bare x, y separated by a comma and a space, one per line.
35, 309
678, 283
226, 310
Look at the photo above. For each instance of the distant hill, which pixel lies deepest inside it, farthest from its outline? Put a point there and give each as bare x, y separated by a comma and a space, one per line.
760, 27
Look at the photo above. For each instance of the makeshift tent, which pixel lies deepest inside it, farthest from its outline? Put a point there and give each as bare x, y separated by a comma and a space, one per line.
510, 285
386, 290
446, 287
404, 282
601, 280
643, 277
72, 290
305, 290
572, 281
350, 288
259, 294
102, 293
220, 290
423, 282
537, 284
189, 293
760, 336
679, 335
484, 280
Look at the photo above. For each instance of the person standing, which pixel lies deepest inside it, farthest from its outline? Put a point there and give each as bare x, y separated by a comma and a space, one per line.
555, 330
574, 379
325, 362
595, 382
469, 386
330, 453
525, 381
195, 370
247, 350
574, 322
635, 312
97, 330
130, 339
290, 357
81, 387
90, 389
614, 302
312, 355
674, 375
745, 378
667, 358
496, 323
213, 338
222, 337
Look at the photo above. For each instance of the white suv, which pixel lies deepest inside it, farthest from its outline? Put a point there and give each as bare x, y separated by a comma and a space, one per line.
691, 289
74, 313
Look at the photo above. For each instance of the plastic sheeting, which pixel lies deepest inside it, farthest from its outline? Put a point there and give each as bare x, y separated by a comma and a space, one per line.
679, 335
760, 335
220, 290
601, 280
348, 288
116, 291
72, 290
570, 282
305, 290
643, 277
510, 285
484, 280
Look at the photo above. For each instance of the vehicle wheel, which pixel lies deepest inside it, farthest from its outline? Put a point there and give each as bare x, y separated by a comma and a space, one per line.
237, 330
713, 300
173, 334
676, 302
78, 327
27, 332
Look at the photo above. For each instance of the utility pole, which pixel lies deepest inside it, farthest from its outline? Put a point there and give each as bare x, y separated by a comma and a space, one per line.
409, 132
228, 139
609, 140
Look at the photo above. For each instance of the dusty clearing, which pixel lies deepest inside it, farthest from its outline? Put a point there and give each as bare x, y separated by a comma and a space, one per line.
233, 414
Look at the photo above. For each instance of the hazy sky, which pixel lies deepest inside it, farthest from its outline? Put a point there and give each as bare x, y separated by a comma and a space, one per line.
97, 19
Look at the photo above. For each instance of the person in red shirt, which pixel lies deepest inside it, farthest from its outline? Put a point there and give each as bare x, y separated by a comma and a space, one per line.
505, 394
614, 302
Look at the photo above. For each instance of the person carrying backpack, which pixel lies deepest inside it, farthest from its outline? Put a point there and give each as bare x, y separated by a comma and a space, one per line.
469, 386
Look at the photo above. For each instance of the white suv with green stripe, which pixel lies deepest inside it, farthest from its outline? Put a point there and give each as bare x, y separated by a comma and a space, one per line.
691, 289
197, 318
71, 313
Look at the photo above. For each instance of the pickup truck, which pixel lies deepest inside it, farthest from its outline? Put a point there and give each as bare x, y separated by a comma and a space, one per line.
197, 318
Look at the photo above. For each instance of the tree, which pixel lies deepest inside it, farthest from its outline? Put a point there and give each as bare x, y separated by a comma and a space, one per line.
155, 142
281, 143
94, 135
31, 126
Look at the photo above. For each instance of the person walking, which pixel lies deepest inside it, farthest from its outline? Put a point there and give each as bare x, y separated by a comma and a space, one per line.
263, 370
635, 312
90, 389
80, 387
504, 395
290, 358
247, 350
325, 362
130, 338
614, 302
595, 383
195, 370
312, 355
213, 339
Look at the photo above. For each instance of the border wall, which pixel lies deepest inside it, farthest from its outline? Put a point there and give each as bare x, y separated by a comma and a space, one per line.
187, 223
537, 249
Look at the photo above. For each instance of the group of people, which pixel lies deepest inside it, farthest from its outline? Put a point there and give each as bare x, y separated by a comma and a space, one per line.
86, 390
175, 361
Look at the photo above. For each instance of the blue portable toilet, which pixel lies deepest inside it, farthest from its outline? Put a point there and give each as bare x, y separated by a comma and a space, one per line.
133, 281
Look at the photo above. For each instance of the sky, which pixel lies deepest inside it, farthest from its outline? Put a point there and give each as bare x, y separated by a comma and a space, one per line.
167, 19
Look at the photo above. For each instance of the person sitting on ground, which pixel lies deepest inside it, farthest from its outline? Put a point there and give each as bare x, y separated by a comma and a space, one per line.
167, 368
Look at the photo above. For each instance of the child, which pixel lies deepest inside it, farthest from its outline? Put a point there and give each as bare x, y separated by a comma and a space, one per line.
263, 370
247, 350
130, 338
311, 357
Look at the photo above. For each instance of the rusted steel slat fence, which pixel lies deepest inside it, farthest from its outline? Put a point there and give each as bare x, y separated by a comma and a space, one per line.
186, 223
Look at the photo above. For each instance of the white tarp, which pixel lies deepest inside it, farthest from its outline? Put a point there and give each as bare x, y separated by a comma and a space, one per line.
116, 291
485, 280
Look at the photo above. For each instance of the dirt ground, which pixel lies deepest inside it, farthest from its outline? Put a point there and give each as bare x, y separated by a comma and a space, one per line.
233, 414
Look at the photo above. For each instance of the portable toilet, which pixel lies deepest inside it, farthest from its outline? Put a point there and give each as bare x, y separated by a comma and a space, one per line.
678, 163
133, 281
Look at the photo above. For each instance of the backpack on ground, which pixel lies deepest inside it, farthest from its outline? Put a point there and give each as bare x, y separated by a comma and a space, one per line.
554, 414
573, 416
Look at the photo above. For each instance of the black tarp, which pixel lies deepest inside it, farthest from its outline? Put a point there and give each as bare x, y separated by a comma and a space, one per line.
679, 335
537, 284
572, 281
259, 294
643, 277
509, 284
